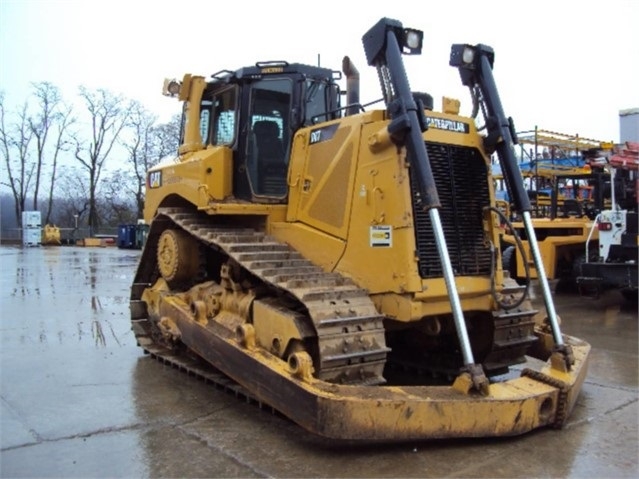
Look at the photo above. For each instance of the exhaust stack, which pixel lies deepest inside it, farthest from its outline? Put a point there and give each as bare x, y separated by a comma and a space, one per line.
352, 86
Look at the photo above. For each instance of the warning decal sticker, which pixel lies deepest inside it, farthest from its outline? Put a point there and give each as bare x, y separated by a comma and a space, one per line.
381, 236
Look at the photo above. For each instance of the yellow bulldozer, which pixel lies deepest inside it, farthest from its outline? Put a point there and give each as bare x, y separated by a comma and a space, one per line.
341, 264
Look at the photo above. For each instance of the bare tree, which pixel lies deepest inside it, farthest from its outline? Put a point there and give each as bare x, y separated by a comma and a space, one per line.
52, 117
65, 120
116, 202
140, 151
167, 138
108, 115
147, 144
74, 197
15, 140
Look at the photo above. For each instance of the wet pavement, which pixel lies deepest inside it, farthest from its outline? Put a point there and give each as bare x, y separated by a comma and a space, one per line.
80, 399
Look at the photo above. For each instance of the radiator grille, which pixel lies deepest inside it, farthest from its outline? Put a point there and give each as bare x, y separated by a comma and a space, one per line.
461, 178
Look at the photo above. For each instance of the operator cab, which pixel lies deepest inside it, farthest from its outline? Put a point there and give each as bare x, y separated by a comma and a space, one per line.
255, 111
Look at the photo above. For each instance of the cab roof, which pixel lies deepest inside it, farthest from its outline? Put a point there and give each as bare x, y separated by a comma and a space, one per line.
264, 69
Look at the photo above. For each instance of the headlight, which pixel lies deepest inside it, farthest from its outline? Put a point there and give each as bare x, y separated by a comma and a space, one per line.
171, 87
413, 40
469, 55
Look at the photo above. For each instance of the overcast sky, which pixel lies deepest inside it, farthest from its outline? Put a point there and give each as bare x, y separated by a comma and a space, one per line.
563, 65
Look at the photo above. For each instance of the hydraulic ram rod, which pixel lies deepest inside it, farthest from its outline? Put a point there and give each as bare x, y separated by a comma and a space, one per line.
382, 44
475, 68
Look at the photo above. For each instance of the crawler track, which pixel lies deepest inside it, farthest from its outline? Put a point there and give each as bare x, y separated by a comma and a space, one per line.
342, 314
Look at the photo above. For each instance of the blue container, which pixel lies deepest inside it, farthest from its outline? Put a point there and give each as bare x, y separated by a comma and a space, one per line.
127, 236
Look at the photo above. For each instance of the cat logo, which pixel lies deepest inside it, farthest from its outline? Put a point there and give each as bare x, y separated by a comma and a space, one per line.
155, 179
447, 125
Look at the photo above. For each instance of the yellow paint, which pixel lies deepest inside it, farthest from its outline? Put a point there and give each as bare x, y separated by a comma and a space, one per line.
554, 247
349, 210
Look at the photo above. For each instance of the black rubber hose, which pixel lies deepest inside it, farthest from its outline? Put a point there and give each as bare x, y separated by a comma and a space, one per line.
520, 247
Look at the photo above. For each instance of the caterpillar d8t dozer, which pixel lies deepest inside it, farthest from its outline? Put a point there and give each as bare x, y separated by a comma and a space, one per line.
342, 265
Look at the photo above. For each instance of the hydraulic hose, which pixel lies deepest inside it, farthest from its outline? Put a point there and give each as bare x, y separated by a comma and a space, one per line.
520, 247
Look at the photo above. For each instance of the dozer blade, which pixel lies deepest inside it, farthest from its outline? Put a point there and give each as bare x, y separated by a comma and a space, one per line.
542, 395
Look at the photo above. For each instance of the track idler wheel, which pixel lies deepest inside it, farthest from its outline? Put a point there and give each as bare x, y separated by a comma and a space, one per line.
178, 258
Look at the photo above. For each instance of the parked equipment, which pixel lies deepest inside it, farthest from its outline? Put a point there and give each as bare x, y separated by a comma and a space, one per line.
614, 262
342, 265
51, 235
564, 205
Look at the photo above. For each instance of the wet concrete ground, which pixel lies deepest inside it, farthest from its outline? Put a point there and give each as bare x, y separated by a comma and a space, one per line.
79, 398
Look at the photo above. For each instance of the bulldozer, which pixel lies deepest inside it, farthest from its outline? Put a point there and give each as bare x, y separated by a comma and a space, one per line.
340, 263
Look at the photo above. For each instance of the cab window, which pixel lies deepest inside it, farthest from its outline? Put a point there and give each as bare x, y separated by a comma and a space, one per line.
321, 102
315, 102
269, 142
224, 117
